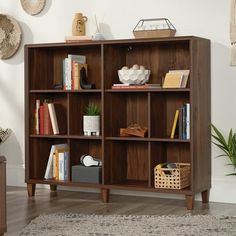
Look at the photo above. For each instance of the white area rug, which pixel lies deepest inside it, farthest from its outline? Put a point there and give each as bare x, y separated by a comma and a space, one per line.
79, 224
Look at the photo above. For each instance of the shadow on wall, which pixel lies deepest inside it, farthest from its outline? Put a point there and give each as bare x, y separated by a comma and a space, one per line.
106, 31
12, 151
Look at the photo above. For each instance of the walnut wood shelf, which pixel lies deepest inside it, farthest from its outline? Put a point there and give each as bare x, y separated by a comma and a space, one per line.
128, 162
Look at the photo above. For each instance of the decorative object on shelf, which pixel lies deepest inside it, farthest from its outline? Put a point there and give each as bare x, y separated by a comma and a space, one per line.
33, 7
172, 177
97, 35
83, 80
133, 130
228, 145
78, 25
135, 75
154, 28
10, 36
87, 160
91, 120
233, 32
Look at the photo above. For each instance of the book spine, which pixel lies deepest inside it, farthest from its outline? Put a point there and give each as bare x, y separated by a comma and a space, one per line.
49, 168
41, 120
61, 175
53, 117
55, 165
187, 121
174, 124
180, 123
47, 121
37, 116
66, 166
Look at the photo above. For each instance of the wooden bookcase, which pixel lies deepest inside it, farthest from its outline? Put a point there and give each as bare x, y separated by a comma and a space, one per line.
128, 162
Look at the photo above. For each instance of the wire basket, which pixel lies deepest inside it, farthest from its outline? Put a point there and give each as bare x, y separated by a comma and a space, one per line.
173, 178
154, 28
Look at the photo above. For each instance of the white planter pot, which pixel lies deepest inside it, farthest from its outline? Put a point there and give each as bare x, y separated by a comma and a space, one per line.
91, 125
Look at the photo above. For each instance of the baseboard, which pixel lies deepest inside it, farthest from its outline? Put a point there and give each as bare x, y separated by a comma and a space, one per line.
15, 175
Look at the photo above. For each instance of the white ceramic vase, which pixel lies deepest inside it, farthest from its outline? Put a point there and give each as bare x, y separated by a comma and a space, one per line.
91, 125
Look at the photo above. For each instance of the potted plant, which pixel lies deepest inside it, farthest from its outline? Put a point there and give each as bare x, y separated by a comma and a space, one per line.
228, 145
91, 120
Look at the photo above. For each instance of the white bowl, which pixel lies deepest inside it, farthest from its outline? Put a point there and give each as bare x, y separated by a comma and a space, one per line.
132, 76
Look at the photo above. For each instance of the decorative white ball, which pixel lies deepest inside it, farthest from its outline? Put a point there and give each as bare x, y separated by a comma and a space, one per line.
135, 67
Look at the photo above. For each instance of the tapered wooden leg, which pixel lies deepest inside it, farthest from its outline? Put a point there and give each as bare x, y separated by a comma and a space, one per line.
189, 201
31, 189
53, 187
105, 195
205, 196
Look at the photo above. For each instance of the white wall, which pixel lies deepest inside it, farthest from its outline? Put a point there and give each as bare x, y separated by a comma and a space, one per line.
205, 18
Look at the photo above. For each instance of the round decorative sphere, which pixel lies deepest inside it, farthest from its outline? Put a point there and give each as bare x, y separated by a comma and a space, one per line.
134, 76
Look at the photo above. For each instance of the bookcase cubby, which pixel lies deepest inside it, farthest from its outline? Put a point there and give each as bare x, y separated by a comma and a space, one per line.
127, 162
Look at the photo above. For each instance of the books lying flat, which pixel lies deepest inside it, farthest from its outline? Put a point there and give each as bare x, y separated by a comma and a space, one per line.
134, 86
74, 39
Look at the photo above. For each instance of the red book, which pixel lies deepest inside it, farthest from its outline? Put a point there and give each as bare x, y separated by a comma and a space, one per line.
41, 120
47, 121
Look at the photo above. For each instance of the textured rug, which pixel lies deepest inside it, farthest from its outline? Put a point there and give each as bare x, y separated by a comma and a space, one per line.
78, 224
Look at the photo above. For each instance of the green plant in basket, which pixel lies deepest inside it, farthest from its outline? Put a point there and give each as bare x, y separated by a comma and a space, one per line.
228, 145
92, 110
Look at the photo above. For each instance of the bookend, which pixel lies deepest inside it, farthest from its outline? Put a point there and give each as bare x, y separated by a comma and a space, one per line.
83, 80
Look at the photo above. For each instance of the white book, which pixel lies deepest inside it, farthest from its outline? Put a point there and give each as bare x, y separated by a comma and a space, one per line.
37, 116
187, 121
53, 118
61, 158
49, 169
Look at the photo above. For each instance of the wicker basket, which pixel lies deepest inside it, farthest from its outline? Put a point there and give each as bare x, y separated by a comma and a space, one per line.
173, 178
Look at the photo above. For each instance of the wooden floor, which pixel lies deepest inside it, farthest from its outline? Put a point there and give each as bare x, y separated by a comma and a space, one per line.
21, 209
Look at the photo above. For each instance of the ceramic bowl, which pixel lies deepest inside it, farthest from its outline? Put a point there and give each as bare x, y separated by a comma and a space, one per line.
132, 76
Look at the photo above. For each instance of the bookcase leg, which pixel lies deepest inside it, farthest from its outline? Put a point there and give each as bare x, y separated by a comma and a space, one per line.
189, 201
31, 189
105, 194
205, 196
53, 187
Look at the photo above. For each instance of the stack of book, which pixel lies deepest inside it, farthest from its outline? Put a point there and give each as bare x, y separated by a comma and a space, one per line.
58, 163
77, 39
71, 71
181, 123
46, 121
135, 86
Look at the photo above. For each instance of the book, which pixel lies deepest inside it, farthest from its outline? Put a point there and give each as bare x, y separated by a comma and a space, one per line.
74, 39
187, 121
63, 166
173, 80
53, 118
185, 77
174, 124
135, 86
49, 169
41, 120
37, 131
76, 67
46, 120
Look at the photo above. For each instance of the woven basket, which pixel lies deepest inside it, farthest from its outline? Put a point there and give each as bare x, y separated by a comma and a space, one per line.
173, 178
